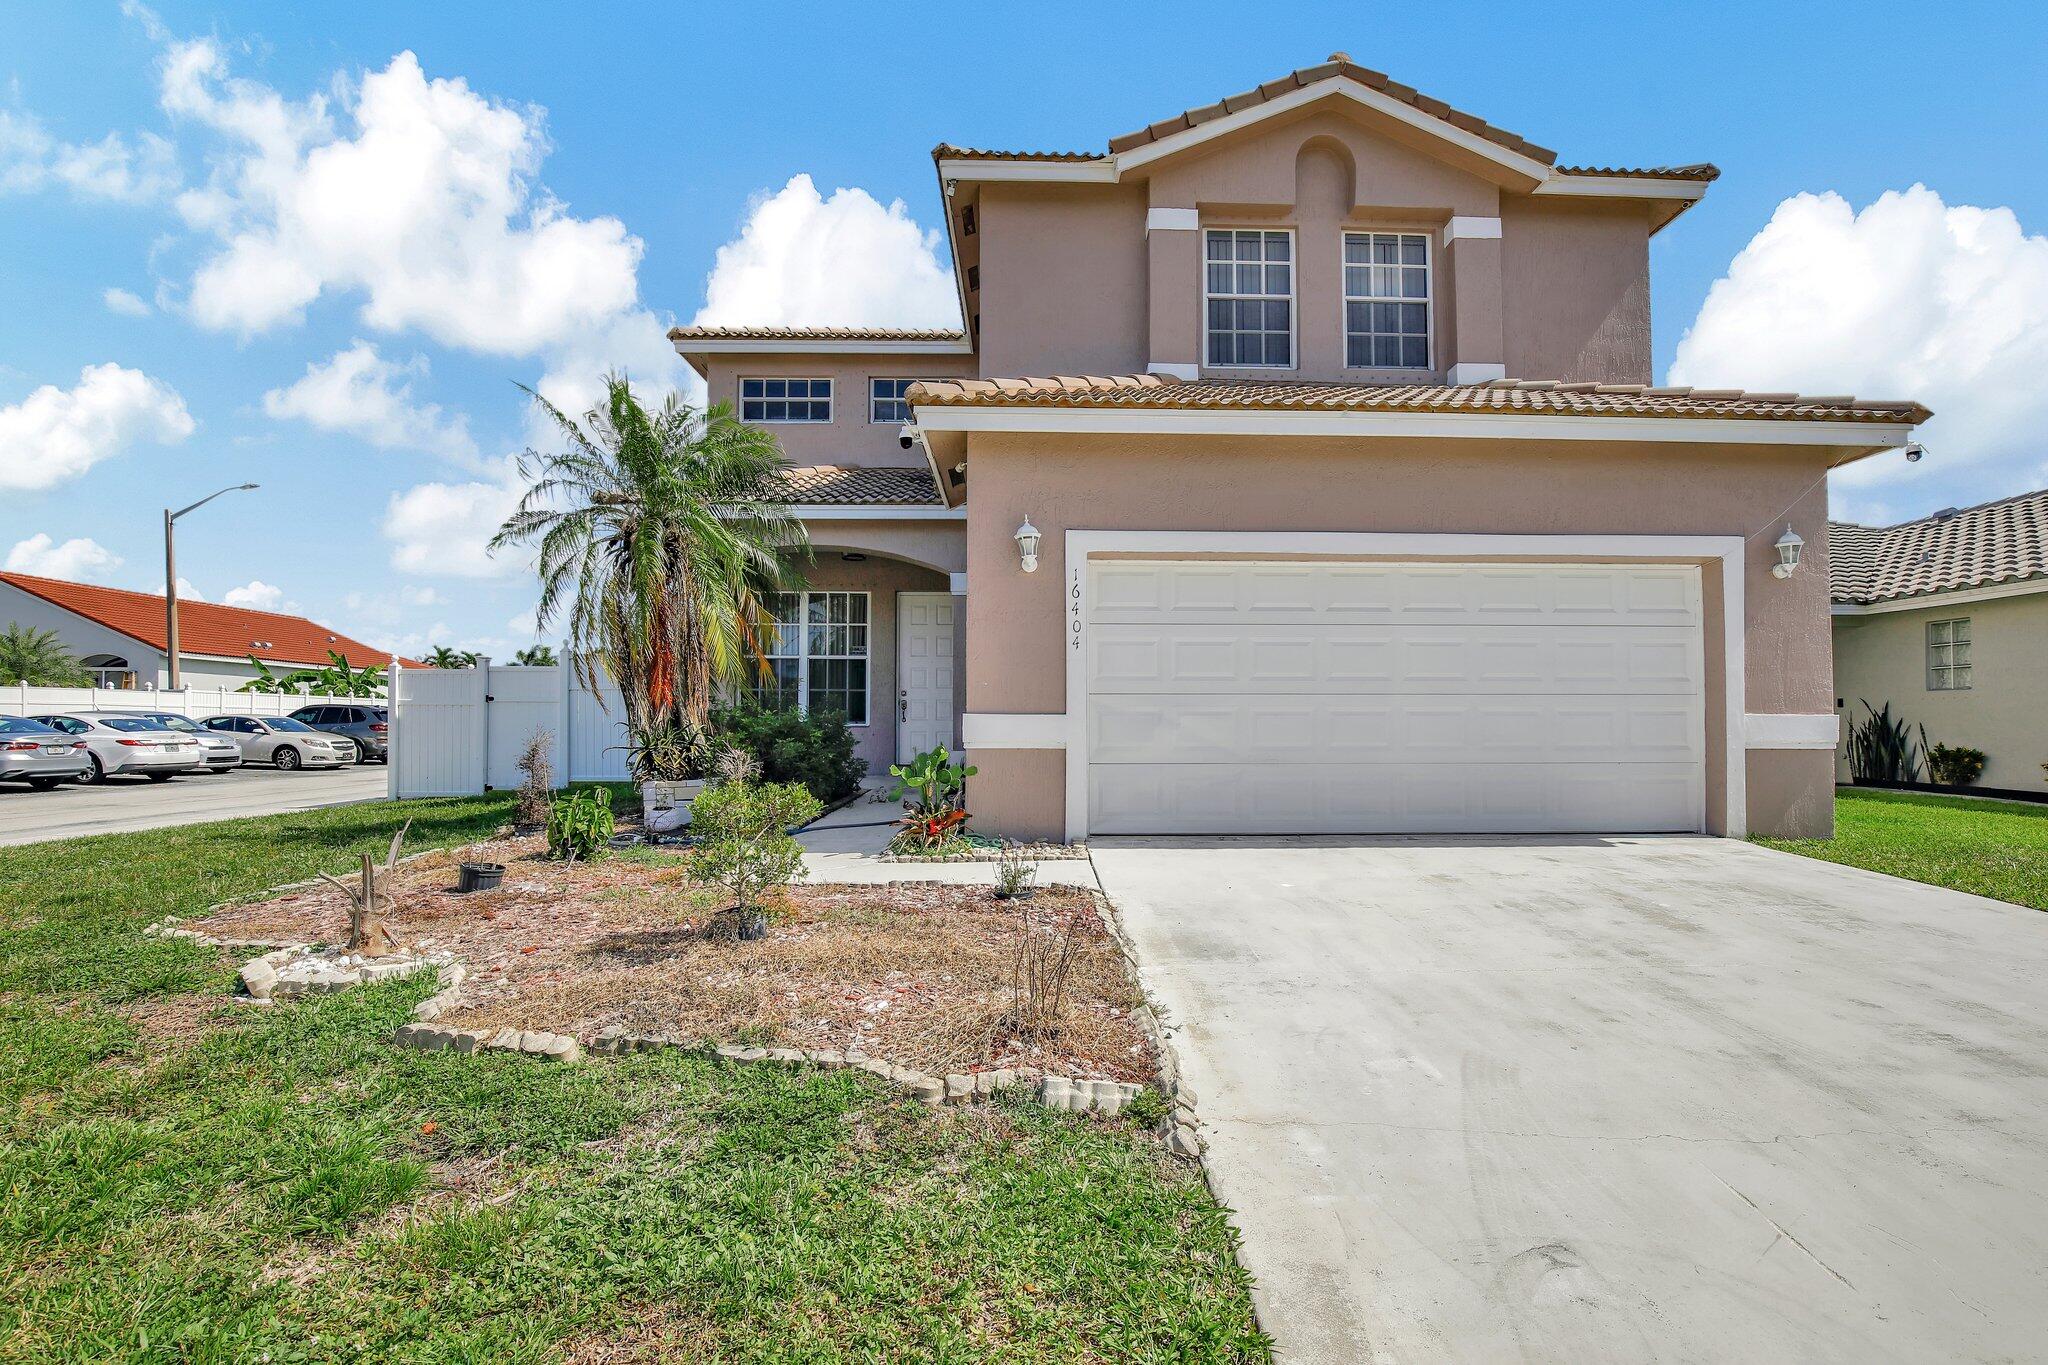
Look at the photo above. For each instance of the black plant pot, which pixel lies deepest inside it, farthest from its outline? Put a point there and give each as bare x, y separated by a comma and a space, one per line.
753, 924
479, 877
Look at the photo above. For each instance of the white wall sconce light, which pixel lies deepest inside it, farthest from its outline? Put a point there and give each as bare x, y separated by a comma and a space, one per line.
1790, 547
1027, 546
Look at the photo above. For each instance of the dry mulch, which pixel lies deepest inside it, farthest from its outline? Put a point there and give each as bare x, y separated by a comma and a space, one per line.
918, 974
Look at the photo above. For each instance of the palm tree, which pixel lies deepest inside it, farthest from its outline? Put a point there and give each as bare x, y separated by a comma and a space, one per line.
38, 658
659, 533
535, 656
444, 657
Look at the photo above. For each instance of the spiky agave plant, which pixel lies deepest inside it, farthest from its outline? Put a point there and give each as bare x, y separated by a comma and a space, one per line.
1881, 747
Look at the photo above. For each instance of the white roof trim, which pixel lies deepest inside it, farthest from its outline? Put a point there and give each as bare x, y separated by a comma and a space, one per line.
818, 346
1866, 436
1948, 597
1622, 187
1102, 171
877, 511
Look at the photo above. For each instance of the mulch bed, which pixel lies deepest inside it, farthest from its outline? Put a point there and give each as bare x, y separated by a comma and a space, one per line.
919, 974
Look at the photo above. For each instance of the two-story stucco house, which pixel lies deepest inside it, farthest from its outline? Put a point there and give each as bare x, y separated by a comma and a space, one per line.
1298, 470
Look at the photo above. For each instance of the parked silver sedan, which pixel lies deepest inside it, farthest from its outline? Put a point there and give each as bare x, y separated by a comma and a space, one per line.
128, 745
38, 754
219, 751
283, 742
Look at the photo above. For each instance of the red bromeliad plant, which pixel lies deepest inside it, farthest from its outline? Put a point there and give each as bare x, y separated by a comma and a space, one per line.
934, 813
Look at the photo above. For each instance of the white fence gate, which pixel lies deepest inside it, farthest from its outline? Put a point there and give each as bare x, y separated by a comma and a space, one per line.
19, 699
459, 731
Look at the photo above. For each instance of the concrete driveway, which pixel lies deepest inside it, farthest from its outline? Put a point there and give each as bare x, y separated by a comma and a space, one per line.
1608, 1100
123, 804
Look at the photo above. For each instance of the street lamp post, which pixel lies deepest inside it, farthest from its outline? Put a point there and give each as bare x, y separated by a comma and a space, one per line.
171, 575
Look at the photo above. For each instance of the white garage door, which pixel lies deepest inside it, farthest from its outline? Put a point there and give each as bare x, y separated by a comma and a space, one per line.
1227, 697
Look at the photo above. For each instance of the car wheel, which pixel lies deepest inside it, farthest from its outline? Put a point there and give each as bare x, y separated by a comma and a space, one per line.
99, 770
362, 752
159, 777
286, 758
45, 784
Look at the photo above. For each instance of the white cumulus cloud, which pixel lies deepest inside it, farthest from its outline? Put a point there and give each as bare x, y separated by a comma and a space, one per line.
127, 304
80, 558
57, 434
257, 596
360, 392
1910, 297
445, 528
802, 259
186, 592
114, 168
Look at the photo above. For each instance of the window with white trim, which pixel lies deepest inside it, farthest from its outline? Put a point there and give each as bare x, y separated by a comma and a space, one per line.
885, 400
1248, 283
785, 400
817, 653
1948, 655
1386, 300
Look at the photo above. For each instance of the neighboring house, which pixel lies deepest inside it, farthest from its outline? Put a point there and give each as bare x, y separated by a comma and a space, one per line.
119, 635
1946, 619
1307, 559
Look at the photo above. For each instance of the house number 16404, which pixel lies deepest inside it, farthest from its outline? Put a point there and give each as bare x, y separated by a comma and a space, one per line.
1074, 609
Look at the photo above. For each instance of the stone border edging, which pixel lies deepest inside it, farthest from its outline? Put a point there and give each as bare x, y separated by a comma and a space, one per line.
1063, 853
1180, 1127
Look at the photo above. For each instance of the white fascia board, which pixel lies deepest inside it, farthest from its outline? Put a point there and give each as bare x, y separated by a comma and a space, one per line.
1463, 227
1935, 601
1865, 436
809, 512
1622, 187
819, 346
1101, 172
1787, 731
1378, 101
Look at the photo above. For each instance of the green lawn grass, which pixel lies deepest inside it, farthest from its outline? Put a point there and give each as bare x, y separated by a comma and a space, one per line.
187, 1179
1988, 848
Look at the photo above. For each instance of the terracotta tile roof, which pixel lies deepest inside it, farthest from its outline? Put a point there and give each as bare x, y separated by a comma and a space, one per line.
1501, 396
1995, 542
1338, 65
856, 485
203, 627
816, 334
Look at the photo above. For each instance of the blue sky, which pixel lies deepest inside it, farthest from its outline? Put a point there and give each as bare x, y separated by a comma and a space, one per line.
621, 146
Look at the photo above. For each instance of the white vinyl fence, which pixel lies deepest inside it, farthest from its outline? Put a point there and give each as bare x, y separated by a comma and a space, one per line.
459, 731
19, 699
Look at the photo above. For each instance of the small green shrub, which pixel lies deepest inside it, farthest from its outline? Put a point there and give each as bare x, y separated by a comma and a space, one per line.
1881, 749
743, 842
580, 825
1955, 765
814, 750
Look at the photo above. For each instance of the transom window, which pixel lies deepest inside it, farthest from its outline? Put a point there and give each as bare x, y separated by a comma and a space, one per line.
1249, 280
1386, 300
818, 653
785, 400
1948, 655
885, 400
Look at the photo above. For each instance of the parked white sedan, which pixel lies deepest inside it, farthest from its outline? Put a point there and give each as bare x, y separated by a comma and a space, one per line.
128, 745
283, 742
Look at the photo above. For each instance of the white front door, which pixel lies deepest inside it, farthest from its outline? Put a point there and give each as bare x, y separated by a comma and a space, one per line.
1367, 698
924, 673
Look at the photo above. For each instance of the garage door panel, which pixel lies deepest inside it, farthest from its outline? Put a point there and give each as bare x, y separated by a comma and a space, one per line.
1135, 591
1217, 656
1393, 799
1262, 729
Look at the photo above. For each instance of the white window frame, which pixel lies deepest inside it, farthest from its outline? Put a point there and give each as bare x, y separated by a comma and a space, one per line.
831, 397
875, 379
1345, 298
804, 657
1945, 673
1293, 293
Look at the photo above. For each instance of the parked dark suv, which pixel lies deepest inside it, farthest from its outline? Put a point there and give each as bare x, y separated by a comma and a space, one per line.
368, 726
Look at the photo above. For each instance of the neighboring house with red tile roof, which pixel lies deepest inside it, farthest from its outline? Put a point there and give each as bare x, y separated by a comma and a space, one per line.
1945, 618
1298, 467
119, 634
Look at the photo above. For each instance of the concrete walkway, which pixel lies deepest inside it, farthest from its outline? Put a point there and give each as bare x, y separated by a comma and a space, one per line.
844, 847
126, 804
1617, 1100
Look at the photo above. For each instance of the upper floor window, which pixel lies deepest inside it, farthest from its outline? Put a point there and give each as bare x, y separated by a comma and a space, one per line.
785, 400
885, 400
1948, 655
1386, 300
1250, 288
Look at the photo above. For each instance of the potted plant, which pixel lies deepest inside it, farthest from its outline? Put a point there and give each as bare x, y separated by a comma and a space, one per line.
669, 761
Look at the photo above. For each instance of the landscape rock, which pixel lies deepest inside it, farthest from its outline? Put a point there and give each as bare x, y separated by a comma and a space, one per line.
959, 1086
1184, 1142
258, 977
